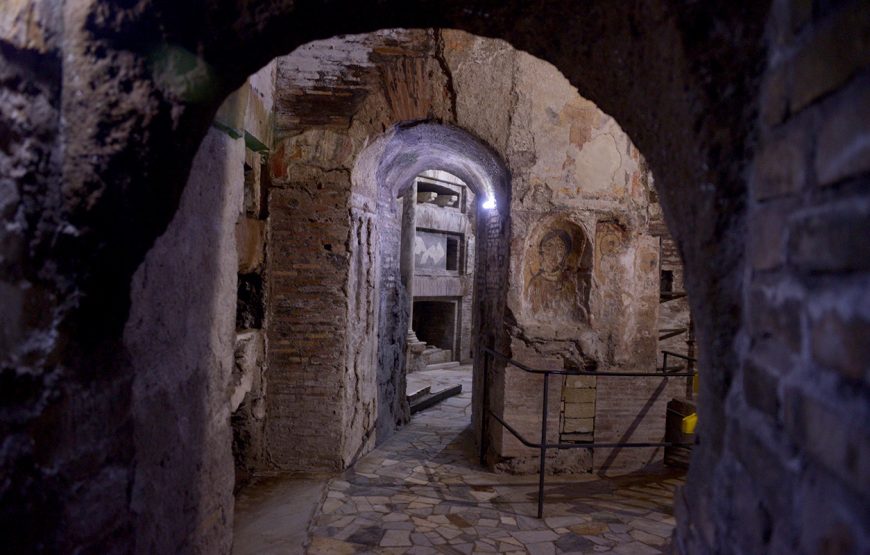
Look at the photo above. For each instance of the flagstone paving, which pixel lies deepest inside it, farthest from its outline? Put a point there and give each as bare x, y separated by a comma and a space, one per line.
421, 492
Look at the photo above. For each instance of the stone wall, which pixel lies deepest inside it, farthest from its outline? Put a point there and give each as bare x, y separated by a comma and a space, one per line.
247, 114
796, 456
194, 328
584, 287
333, 262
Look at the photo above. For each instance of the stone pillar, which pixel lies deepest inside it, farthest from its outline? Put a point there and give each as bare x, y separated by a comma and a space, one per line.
406, 256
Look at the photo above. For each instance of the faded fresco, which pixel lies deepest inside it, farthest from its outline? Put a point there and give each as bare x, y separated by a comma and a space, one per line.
558, 269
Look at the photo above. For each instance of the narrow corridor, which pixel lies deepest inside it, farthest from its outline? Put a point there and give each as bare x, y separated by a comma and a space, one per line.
422, 492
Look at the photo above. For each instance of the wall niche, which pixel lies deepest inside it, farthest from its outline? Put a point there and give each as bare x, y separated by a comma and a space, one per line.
557, 273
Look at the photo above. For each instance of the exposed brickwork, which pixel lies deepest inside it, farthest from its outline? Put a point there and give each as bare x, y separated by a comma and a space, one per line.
308, 319
633, 410
798, 416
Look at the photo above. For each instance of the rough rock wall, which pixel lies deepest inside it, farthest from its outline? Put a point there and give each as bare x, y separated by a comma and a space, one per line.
41, 493
181, 340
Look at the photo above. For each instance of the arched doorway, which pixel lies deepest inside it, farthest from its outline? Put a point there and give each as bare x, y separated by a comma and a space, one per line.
118, 224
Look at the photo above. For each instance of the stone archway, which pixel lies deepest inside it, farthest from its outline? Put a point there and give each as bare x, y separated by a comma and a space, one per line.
389, 166
139, 118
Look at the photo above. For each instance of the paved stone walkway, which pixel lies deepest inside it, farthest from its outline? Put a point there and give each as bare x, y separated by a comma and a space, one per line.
421, 492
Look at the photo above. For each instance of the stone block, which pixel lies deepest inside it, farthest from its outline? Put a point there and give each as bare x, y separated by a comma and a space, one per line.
842, 343
253, 184
250, 244
30, 25
580, 410
249, 359
774, 96
774, 319
843, 148
257, 120
760, 387
766, 462
579, 425
767, 227
836, 240
752, 535
837, 438
840, 47
230, 117
584, 395
841, 528
779, 168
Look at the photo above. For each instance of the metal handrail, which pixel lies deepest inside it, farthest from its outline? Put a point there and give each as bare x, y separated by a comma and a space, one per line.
530, 370
690, 366
678, 355
544, 445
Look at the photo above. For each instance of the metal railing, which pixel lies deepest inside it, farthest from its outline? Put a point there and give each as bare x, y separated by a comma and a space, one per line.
666, 354
544, 444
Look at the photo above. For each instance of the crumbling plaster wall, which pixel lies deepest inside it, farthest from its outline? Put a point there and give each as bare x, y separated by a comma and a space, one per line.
570, 162
182, 336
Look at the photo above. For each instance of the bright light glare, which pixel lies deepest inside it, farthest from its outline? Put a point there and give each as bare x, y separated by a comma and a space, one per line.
489, 204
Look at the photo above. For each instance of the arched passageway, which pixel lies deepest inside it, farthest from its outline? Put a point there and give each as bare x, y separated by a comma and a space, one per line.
117, 109
392, 163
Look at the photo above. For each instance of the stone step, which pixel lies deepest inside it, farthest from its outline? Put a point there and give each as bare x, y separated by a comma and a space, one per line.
442, 365
417, 346
435, 397
434, 356
419, 394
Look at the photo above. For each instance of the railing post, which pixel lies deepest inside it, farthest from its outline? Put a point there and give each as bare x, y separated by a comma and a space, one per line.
484, 412
664, 362
543, 468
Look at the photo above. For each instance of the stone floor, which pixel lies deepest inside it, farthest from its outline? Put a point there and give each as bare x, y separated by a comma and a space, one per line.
421, 492
273, 513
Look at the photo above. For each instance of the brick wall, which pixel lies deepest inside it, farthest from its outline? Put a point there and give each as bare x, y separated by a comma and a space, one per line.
797, 447
308, 323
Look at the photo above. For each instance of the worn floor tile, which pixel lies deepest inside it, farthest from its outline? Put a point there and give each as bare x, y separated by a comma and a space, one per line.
422, 492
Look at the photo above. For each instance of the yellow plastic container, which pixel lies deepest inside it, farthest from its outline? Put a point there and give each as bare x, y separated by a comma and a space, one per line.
689, 423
